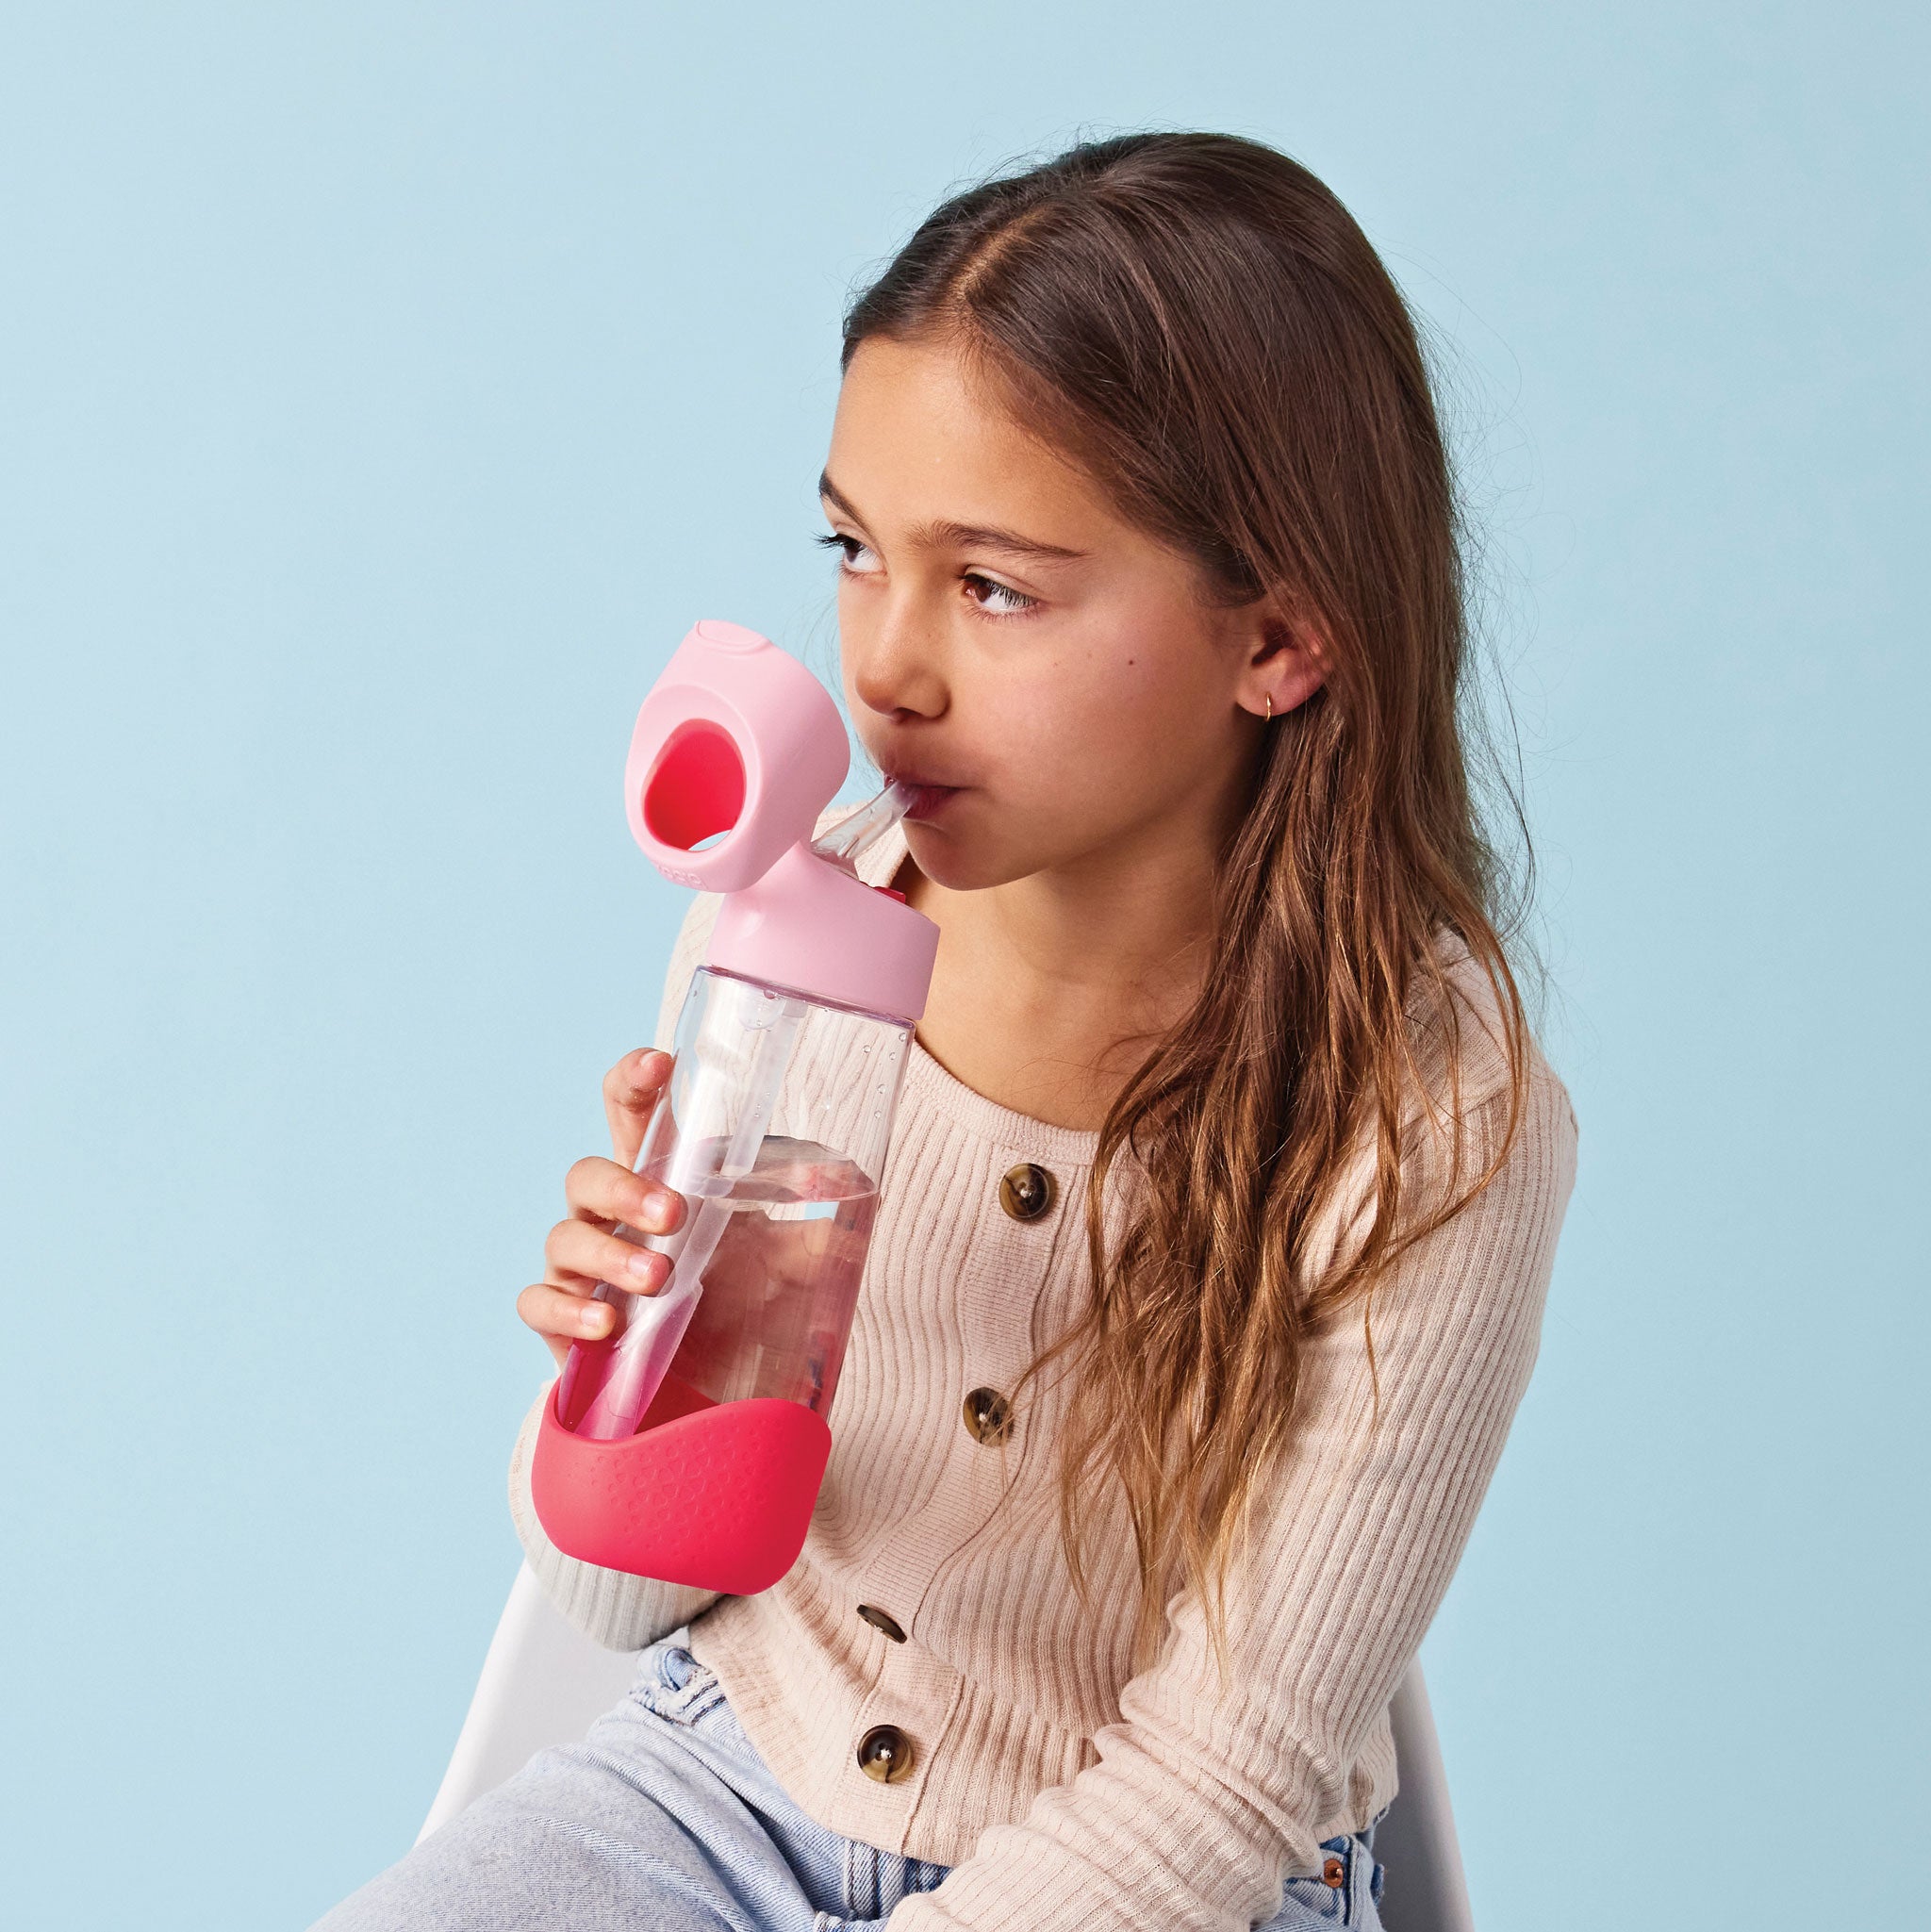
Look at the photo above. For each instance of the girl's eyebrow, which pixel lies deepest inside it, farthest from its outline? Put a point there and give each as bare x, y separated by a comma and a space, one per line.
959, 536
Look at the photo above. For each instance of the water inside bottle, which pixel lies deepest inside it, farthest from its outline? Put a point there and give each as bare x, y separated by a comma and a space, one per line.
780, 1289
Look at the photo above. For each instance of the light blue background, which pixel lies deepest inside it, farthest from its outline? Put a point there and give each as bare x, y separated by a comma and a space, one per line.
382, 390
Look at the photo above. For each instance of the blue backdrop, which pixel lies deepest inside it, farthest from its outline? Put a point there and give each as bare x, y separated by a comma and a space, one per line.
382, 390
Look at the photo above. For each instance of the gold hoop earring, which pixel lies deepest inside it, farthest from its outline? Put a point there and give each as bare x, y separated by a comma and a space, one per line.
1270, 707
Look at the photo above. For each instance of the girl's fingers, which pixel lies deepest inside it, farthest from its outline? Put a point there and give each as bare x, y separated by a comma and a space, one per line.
630, 1098
561, 1316
581, 1252
600, 1190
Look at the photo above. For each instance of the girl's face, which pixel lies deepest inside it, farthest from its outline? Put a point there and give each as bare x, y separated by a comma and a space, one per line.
1008, 637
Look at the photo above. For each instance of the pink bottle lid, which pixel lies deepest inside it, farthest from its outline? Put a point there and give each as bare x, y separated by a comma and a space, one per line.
737, 750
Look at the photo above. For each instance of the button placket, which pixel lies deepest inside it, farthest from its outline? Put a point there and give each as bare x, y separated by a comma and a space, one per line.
917, 1697
995, 1276
1008, 1265
1028, 1193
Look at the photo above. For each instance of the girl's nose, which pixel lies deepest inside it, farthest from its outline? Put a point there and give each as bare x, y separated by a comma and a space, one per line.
896, 670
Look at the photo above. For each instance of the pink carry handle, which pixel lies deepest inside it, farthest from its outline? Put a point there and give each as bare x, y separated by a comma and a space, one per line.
737, 750
736, 739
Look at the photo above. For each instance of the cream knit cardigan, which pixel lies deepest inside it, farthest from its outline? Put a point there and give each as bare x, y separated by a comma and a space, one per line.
1068, 1792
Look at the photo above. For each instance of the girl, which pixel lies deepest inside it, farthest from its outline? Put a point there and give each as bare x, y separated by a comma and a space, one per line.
1216, 1226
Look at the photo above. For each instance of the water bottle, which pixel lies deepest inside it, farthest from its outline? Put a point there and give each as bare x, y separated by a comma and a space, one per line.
691, 1444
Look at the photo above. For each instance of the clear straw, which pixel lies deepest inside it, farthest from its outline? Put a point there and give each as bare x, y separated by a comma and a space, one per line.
850, 837
656, 1323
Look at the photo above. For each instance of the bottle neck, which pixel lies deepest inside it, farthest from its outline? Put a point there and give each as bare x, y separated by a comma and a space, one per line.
812, 928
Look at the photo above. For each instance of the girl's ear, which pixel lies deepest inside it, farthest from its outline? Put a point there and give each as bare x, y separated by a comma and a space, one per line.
1285, 662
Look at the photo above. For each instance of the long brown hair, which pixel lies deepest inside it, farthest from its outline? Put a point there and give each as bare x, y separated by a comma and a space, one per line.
1198, 321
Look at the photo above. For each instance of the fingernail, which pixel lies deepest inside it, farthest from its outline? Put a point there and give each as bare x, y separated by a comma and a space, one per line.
659, 1211
640, 1264
595, 1317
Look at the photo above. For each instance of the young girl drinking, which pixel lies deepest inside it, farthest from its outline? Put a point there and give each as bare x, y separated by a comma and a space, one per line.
1215, 1236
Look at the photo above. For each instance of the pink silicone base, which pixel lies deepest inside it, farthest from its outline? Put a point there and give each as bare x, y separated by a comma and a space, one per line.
716, 1494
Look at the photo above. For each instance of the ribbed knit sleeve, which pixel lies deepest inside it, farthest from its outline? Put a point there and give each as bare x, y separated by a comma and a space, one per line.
618, 1611
1202, 1800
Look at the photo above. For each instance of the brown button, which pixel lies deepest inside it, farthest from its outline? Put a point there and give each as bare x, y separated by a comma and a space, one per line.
1333, 1872
1027, 1192
989, 1416
879, 1620
884, 1753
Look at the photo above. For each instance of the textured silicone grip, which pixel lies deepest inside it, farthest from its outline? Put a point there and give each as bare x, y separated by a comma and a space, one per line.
716, 1494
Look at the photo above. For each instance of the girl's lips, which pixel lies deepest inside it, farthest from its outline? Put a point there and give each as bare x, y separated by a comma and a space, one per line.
928, 799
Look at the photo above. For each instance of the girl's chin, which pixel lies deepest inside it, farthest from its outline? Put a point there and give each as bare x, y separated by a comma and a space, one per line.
960, 857
939, 854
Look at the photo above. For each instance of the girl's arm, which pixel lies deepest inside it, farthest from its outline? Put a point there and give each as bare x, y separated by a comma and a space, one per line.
1200, 1803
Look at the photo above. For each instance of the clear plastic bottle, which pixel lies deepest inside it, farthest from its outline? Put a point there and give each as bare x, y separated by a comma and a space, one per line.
691, 1444
778, 1167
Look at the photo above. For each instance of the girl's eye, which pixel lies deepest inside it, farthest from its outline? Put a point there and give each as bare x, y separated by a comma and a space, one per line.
996, 599
859, 560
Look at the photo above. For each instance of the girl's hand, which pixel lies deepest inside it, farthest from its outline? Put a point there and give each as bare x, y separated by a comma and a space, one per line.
581, 1252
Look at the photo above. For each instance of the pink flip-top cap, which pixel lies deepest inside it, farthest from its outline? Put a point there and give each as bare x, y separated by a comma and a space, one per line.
737, 752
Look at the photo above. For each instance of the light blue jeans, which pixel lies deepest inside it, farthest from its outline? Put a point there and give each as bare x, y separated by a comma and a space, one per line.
665, 1819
